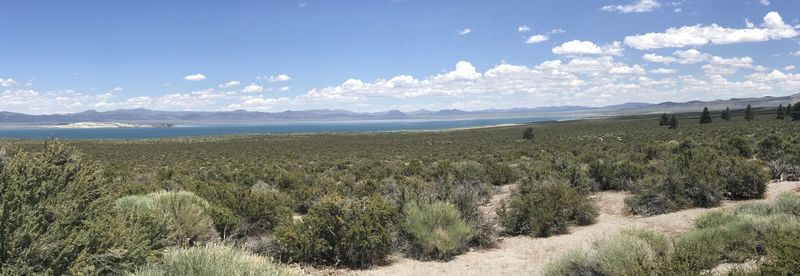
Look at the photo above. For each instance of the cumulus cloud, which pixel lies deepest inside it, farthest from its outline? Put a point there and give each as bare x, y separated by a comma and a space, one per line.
7, 82
789, 67
230, 84
464, 31
536, 39
523, 29
639, 6
257, 103
195, 77
578, 47
691, 56
658, 58
253, 88
662, 71
773, 28
764, 2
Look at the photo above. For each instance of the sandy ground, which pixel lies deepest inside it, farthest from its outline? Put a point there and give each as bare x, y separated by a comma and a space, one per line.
527, 255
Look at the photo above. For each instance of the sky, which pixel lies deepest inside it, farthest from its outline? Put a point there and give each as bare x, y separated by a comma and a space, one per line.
377, 55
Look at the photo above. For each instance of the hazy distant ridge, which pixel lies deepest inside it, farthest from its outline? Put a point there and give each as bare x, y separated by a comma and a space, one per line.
240, 116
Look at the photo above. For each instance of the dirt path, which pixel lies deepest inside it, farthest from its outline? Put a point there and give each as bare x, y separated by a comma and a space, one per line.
527, 256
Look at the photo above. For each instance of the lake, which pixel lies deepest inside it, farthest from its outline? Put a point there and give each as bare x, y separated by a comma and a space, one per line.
294, 127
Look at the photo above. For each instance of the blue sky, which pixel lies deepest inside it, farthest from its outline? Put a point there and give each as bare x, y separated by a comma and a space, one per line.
68, 56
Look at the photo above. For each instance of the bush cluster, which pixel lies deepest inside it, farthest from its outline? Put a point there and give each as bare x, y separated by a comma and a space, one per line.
545, 208
436, 229
697, 176
339, 231
764, 233
212, 260
185, 215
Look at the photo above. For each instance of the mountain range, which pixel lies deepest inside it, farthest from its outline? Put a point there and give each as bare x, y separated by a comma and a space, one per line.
142, 115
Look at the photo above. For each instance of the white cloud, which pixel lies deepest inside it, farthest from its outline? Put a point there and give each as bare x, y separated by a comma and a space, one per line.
748, 23
773, 28
258, 103
464, 71
691, 56
276, 78
764, 2
659, 59
284, 88
789, 67
195, 77
230, 84
795, 53
302, 5
577, 47
7, 82
557, 31
640, 6
253, 88
464, 31
662, 71
678, 10
536, 39
523, 29
726, 66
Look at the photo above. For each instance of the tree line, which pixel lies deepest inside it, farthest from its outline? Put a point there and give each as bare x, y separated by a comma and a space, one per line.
789, 112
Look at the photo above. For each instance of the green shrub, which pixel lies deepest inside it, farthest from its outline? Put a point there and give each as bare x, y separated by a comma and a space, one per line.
337, 231
657, 242
47, 199
436, 229
783, 252
740, 146
714, 218
771, 148
617, 175
657, 194
573, 263
501, 173
212, 260
56, 218
263, 208
186, 214
544, 208
746, 179
756, 209
789, 204
626, 255
225, 221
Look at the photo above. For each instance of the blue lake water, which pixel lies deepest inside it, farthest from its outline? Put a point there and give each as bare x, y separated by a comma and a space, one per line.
295, 127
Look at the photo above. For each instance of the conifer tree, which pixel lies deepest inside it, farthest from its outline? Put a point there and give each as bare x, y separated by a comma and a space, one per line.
795, 112
673, 123
705, 118
726, 114
664, 120
781, 113
528, 134
748, 113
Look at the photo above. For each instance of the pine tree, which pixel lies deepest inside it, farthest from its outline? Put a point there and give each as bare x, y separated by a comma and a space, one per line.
673, 123
664, 120
705, 118
781, 114
528, 134
748, 113
795, 113
726, 114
